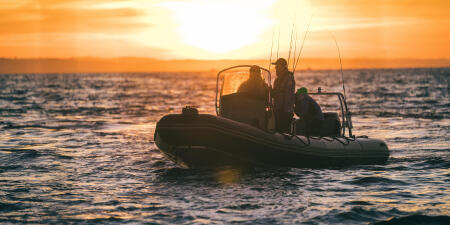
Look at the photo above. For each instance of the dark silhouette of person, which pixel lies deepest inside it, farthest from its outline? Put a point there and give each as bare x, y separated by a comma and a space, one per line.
310, 113
254, 86
283, 96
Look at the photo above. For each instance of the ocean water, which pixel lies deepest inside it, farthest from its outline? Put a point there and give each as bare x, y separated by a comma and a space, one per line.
79, 149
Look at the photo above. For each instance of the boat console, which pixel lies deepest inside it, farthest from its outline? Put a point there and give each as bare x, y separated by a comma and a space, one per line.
244, 108
231, 103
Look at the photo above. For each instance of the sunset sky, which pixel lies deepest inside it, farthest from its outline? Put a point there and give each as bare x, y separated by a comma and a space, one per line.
223, 29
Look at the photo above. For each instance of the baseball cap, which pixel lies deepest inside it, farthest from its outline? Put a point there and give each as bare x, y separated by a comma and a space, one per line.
280, 62
302, 90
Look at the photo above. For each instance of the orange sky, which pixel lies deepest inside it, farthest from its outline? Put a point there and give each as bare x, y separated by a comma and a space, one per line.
223, 29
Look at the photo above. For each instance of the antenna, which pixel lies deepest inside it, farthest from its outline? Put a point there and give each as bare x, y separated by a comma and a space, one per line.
340, 62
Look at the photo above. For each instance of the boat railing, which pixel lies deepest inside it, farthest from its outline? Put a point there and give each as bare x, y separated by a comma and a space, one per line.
345, 113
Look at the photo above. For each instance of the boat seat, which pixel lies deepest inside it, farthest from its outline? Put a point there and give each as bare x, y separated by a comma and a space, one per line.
244, 108
330, 127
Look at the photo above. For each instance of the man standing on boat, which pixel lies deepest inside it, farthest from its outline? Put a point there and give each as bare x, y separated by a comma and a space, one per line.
283, 94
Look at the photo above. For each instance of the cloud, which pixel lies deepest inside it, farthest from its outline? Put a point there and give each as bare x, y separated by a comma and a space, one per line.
55, 3
362, 24
413, 9
61, 45
72, 16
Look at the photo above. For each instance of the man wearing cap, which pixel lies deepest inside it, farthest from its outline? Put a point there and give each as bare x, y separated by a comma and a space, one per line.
283, 96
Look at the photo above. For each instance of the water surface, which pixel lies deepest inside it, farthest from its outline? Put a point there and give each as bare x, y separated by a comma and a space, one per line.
79, 148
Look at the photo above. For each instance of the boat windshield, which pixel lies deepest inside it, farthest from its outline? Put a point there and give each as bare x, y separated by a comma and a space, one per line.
238, 79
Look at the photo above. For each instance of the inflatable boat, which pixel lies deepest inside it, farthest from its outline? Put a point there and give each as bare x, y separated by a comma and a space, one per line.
242, 133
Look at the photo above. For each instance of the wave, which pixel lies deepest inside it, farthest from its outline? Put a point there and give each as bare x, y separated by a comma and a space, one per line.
432, 163
374, 180
75, 125
422, 115
416, 220
243, 207
8, 207
354, 215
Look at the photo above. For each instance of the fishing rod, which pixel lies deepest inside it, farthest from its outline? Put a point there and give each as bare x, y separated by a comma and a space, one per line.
271, 48
340, 62
348, 116
278, 46
303, 43
290, 43
295, 51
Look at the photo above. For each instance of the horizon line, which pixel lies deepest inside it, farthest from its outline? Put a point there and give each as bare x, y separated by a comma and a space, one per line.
141, 64
194, 59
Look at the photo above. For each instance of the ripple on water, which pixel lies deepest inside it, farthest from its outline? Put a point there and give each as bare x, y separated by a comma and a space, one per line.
79, 148
363, 181
416, 220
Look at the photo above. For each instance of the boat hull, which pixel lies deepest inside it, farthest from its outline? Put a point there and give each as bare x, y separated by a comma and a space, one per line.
208, 141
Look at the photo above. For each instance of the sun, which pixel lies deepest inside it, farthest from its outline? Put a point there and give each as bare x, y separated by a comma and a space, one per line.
221, 26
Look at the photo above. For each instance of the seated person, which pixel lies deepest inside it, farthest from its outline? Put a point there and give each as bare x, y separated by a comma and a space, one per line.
311, 116
254, 85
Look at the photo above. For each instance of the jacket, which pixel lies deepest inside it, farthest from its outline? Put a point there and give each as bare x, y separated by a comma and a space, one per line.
283, 92
307, 108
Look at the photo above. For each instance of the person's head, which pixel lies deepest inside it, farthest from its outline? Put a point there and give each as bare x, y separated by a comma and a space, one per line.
255, 72
280, 66
302, 90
